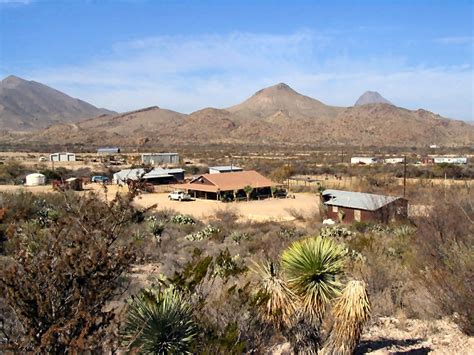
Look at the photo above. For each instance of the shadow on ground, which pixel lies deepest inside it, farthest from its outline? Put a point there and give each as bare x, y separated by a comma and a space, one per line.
373, 345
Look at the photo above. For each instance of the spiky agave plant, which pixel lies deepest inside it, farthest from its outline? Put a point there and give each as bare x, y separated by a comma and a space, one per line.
312, 267
159, 322
351, 312
276, 300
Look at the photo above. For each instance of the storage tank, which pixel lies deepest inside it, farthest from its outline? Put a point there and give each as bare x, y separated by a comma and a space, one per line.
35, 179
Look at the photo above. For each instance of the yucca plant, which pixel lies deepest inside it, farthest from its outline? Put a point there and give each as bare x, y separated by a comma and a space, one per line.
351, 312
277, 302
159, 322
312, 267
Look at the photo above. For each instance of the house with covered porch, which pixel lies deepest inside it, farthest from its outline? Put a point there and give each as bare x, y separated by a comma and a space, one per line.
229, 187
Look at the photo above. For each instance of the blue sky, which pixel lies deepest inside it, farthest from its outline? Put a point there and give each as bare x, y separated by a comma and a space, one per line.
186, 55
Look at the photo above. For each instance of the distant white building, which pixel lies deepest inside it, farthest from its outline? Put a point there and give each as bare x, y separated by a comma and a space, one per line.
160, 158
224, 169
450, 160
62, 157
394, 160
363, 160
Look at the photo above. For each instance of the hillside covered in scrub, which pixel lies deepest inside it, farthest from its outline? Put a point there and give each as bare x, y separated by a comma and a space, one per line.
225, 285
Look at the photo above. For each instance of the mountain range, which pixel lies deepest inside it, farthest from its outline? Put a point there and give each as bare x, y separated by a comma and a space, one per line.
28, 105
274, 115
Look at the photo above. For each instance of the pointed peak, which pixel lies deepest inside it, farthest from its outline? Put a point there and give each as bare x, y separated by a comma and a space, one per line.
371, 97
12, 79
282, 86
278, 88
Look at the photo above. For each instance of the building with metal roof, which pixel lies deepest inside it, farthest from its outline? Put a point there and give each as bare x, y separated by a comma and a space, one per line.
155, 176
110, 150
349, 206
224, 169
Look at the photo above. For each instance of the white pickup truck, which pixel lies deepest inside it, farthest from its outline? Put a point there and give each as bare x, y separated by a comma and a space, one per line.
179, 196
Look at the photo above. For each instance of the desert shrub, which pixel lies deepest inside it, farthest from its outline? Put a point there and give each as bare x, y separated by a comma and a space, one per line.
443, 256
337, 232
239, 237
59, 276
159, 322
12, 171
226, 265
297, 300
206, 233
182, 219
156, 226
289, 232
222, 302
227, 216
296, 214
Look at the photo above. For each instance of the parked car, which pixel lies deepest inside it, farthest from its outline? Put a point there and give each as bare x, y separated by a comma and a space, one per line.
179, 196
99, 178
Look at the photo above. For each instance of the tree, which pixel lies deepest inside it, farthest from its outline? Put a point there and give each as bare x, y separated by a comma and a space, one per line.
248, 191
62, 271
160, 322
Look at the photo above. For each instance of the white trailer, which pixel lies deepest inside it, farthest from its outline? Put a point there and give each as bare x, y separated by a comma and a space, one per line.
394, 160
450, 160
363, 160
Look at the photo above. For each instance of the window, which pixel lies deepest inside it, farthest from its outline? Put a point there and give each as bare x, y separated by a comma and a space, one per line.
357, 215
334, 208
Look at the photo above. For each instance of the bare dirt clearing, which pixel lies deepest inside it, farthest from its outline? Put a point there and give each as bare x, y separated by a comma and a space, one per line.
304, 204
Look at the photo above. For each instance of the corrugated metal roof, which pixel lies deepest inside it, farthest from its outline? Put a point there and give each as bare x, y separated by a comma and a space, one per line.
357, 200
135, 174
108, 150
159, 154
225, 167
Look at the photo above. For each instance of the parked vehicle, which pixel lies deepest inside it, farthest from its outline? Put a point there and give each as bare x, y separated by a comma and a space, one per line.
100, 178
179, 196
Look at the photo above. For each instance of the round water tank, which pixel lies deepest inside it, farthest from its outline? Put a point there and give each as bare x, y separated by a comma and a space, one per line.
35, 179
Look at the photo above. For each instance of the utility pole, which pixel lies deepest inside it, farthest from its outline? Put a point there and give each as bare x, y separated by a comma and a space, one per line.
404, 175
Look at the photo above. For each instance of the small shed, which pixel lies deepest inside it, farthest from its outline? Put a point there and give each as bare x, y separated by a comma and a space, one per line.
35, 179
349, 206
224, 169
74, 184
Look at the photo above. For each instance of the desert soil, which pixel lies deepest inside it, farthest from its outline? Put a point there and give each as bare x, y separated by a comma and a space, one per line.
305, 204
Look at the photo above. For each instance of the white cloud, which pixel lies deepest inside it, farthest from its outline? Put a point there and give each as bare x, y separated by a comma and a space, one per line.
186, 73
